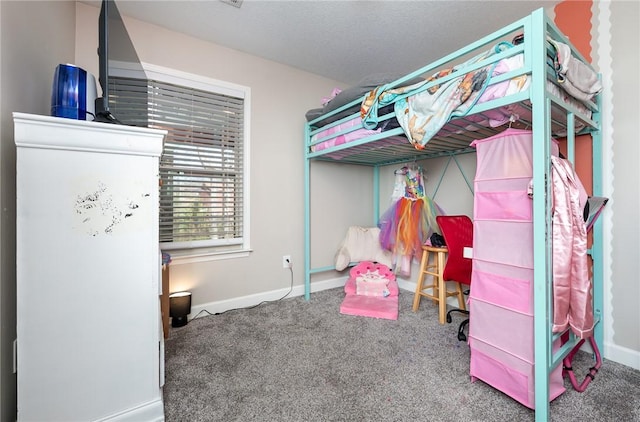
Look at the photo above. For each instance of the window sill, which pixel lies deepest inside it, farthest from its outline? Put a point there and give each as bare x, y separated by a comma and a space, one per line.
195, 256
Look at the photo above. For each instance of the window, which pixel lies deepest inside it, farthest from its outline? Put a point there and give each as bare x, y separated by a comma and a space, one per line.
203, 168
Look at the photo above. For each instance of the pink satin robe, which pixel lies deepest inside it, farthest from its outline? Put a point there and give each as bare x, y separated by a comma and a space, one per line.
572, 292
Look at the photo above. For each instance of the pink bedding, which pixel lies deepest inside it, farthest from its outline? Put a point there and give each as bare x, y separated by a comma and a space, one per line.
344, 138
490, 118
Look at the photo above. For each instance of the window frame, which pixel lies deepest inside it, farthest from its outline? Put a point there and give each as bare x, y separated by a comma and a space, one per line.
196, 251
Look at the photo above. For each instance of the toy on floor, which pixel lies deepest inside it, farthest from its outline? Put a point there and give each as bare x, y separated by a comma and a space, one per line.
371, 291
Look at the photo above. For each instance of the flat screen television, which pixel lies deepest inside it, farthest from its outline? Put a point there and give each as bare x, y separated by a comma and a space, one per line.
116, 55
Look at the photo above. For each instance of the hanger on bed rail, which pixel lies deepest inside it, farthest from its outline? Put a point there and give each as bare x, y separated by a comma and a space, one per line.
401, 170
414, 166
410, 167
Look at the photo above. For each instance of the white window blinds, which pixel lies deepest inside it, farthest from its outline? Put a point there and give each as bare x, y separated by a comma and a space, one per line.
202, 165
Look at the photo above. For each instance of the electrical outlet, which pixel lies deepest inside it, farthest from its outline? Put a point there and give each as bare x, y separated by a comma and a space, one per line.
286, 261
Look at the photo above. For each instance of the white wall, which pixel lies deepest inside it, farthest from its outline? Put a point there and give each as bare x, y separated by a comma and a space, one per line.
341, 195
280, 97
623, 342
34, 38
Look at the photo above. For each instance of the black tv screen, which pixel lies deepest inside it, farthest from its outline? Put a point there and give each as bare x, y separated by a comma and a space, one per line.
116, 56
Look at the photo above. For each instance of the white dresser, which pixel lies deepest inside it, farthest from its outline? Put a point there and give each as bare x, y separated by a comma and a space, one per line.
89, 339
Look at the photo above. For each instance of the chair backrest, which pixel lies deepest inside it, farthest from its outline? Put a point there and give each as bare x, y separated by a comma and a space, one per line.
457, 231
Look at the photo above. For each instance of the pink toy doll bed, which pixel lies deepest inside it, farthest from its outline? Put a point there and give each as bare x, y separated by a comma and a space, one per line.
371, 291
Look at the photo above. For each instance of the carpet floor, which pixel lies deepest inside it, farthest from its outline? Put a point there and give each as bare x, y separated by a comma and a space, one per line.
297, 360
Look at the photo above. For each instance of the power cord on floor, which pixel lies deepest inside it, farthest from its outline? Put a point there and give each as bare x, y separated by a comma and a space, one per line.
252, 306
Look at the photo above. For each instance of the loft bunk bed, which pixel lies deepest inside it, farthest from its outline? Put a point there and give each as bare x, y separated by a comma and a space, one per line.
373, 130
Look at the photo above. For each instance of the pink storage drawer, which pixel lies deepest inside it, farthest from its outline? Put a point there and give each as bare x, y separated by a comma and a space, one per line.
506, 155
503, 328
502, 270
510, 205
509, 374
502, 185
505, 242
512, 293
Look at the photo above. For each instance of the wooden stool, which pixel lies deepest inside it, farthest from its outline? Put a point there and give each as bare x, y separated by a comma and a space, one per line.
438, 286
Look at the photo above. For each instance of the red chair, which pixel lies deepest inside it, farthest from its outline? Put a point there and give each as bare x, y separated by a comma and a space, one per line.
457, 231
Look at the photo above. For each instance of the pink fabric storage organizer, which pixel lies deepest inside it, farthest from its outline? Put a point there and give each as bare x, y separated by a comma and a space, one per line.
501, 300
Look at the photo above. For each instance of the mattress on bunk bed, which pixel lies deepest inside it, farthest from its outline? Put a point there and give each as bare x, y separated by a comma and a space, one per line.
501, 327
354, 129
358, 91
493, 118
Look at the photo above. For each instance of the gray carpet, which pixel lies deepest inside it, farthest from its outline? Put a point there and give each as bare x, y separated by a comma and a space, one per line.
295, 360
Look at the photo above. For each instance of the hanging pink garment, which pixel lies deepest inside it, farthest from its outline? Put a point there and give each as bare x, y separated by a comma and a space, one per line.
572, 297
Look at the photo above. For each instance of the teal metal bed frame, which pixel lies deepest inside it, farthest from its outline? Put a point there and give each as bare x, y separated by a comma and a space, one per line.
544, 122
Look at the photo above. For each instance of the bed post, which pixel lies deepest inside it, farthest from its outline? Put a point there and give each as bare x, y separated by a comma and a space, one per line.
597, 248
535, 33
376, 195
307, 218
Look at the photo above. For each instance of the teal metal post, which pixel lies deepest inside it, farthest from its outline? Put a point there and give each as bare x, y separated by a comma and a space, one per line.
376, 195
307, 219
536, 38
597, 248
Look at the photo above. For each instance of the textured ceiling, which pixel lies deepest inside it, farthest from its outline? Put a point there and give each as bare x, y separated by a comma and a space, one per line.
341, 40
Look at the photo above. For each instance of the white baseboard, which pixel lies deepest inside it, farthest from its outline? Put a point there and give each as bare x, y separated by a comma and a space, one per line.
252, 300
622, 355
